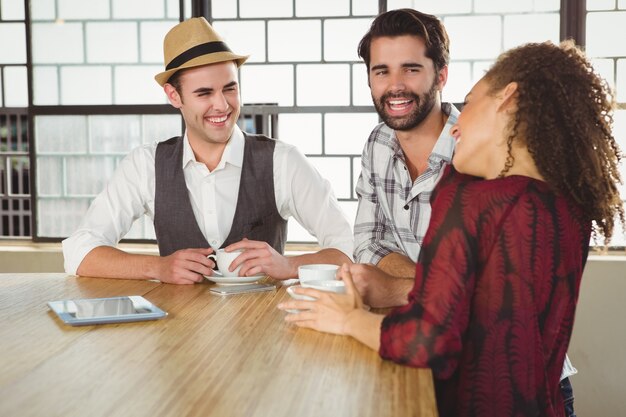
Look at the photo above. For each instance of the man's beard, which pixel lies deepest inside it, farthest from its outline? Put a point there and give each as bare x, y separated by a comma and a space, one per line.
423, 105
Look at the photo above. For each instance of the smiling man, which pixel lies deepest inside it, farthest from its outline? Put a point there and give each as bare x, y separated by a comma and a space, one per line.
406, 54
214, 187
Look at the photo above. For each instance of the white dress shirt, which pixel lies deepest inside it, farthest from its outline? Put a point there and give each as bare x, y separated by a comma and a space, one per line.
300, 192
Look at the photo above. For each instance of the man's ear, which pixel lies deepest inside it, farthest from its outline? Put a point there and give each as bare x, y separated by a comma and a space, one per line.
172, 95
508, 98
442, 77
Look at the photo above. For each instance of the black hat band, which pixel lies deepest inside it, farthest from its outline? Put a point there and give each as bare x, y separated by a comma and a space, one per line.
196, 51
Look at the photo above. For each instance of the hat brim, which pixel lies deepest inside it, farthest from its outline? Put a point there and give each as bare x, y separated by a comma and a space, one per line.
213, 58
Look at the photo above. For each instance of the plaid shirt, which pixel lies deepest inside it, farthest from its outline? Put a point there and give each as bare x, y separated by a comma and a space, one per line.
394, 212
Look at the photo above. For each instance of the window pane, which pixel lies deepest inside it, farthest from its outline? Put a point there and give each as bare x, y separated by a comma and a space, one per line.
50, 184
474, 37
323, 85
12, 43
111, 42
60, 217
341, 37
520, 29
244, 38
136, 85
151, 40
547, 5
365, 8
621, 81
337, 170
433, 7
346, 133
42, 10
361, 95
15, 87
223, 9
600, 4
86, 85
605, 68
114, 134
20, 167
160, 127
295, 40
173, 9
138, 9
322, 7
267, 84
80, 9
602, 26
48, 36
87, 175
459, 82
499, 6
45, 86
12, 9
274, 8
61, 134
302, 130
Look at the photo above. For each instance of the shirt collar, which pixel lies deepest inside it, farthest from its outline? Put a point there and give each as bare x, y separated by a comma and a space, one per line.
233, 152
444, 147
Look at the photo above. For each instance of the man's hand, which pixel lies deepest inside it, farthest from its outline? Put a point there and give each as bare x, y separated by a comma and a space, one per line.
259, 257
185, 266
379, 289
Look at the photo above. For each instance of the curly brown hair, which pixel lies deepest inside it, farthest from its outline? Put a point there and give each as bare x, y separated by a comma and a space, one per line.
564, 117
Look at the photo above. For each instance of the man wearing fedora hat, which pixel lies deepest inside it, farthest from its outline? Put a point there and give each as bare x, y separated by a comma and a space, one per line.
214, 187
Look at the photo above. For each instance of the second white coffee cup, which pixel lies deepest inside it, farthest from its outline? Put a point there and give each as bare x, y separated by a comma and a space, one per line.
317, 272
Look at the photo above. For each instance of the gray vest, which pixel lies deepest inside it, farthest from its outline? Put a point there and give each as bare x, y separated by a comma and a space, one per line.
256, 216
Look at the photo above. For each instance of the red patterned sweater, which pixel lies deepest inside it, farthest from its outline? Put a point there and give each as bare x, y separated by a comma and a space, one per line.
492, 309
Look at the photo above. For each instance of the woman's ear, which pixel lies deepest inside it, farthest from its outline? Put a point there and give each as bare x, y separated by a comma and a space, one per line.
508, 102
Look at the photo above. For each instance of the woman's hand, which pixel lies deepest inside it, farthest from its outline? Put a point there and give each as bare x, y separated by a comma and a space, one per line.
330, 311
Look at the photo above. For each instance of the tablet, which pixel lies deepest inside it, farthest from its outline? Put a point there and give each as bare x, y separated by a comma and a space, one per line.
87, 311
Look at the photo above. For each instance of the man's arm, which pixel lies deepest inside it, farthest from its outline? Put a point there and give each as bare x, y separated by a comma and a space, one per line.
185, 266
380, 289
398, 265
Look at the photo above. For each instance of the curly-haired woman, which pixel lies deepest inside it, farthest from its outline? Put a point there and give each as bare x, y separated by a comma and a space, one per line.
492, 309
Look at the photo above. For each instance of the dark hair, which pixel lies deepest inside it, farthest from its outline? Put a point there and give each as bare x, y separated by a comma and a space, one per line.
174, 80
564, 117
409, 22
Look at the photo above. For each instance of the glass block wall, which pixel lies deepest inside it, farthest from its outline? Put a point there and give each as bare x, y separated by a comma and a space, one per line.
303, 65
15, 208
303, 62
606, 31
94, 53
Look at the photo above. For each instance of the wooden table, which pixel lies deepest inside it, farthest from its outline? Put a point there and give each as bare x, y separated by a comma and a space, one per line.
212, 356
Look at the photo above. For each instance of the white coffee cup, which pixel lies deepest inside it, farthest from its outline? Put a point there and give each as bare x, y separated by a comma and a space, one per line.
224, 259
329, 285
317, 272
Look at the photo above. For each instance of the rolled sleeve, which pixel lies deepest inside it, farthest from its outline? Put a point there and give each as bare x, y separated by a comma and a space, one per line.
111, 214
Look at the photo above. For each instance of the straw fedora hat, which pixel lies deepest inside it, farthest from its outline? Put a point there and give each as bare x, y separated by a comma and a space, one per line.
193, 43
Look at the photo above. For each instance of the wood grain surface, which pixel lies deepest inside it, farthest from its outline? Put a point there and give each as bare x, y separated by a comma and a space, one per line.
212, 356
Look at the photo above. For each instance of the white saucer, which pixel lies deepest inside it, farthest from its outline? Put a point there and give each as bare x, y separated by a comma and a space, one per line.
220, 280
